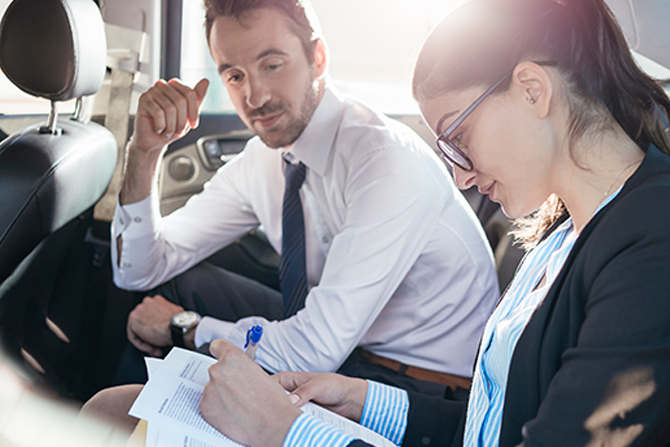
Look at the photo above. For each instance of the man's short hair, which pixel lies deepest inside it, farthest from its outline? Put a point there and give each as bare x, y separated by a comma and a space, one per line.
302, 22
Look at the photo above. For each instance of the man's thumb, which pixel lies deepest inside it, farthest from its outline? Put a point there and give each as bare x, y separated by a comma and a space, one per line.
201, 89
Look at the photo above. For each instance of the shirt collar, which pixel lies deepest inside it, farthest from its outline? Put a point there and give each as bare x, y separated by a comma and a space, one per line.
314, 145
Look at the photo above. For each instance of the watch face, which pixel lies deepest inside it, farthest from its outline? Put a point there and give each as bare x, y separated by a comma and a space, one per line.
185, 319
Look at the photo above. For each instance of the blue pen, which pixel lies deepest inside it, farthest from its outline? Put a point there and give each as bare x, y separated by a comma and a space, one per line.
254, 335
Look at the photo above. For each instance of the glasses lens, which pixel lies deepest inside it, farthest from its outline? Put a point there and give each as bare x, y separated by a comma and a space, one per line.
453, 155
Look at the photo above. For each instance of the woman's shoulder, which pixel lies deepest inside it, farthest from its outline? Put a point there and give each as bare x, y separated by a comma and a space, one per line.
646, 194
637, 220
648, 197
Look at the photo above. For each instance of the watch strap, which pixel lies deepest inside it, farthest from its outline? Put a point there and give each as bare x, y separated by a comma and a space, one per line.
177, 336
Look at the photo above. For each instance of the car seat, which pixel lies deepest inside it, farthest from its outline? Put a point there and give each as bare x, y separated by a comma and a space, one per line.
51, 175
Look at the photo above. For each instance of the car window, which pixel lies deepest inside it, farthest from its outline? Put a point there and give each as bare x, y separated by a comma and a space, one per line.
372, 44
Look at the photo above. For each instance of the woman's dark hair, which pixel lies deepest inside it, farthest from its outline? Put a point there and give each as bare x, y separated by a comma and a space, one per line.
479, 42
302, 20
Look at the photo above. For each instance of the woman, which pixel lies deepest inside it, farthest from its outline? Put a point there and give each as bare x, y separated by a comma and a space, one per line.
541, 106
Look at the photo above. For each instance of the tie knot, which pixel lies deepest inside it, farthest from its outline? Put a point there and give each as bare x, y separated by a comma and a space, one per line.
294, 174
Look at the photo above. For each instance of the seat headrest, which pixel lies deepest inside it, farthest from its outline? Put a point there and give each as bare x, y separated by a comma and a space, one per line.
55, 49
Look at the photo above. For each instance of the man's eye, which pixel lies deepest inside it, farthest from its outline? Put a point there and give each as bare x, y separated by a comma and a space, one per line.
234, 78
274, 66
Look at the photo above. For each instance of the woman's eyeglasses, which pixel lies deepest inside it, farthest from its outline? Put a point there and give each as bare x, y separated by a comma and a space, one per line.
448, 148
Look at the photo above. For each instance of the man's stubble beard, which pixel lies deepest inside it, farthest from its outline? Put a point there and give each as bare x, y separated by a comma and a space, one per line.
290, 133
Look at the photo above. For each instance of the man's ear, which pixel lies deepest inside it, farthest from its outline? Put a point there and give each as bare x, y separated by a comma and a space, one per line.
533, 85
320, 58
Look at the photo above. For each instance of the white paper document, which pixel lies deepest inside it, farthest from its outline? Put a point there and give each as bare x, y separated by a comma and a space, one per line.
169, 403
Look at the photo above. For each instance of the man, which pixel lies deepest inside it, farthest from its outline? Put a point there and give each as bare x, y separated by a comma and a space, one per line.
384, 254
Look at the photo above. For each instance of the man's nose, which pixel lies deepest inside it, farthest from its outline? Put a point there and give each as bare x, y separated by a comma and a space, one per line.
258, 93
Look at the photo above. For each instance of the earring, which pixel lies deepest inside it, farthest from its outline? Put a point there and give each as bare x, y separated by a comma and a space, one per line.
530, 100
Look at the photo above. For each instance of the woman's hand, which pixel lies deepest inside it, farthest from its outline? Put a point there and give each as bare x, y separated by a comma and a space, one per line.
243, 402
343, 395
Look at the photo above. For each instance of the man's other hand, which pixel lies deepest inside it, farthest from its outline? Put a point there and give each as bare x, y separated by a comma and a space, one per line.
149, 324
166, 112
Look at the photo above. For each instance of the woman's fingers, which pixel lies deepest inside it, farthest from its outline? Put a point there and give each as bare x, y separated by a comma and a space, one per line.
242, 401
305, 387
290, 380
219, 347
343, 395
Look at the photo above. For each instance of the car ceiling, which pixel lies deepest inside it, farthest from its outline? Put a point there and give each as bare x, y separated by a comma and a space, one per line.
645, 24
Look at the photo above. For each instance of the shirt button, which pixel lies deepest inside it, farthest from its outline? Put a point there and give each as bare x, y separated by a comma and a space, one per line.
425, 440
126, 264
121, 220
325, 239
138, 219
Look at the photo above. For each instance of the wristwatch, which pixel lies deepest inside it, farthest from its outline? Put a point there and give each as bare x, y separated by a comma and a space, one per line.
181, 323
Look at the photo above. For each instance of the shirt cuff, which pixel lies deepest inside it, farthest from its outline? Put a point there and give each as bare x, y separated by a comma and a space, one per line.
385, 411
210, 329
308, 430
134, 220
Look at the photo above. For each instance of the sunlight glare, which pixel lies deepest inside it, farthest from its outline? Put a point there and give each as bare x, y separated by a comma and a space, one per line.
373, 45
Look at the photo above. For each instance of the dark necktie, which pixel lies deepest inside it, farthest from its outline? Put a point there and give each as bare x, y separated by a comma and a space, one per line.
292, 270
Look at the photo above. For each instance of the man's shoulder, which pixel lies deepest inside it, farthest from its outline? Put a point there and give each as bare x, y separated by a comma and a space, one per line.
358, 115
365, 129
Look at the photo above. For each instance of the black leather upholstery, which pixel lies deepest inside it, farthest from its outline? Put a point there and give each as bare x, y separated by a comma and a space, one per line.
49, 181
46, 181
54, 49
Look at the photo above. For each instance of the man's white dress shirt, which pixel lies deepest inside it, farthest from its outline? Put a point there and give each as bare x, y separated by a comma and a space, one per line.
396, 260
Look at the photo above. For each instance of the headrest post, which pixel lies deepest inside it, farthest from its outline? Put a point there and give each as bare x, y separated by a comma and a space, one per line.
51, 124
79, 109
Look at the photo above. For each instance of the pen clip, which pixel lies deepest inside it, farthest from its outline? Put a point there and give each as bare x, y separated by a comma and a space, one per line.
248, 336
254, 335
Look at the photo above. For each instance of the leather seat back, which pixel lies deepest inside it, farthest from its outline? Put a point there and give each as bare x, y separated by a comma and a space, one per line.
53, 305
53, 49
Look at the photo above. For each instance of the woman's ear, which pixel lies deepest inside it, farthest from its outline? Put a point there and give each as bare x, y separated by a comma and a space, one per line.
320, 58
533, 85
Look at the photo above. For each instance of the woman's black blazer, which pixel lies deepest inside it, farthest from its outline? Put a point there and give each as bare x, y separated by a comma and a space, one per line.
592, 366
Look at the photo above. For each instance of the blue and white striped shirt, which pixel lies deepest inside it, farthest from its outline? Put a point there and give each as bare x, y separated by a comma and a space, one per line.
385, 412
504, 328
502, 332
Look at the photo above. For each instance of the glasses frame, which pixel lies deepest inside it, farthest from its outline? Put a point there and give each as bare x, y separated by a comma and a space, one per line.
449, 150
